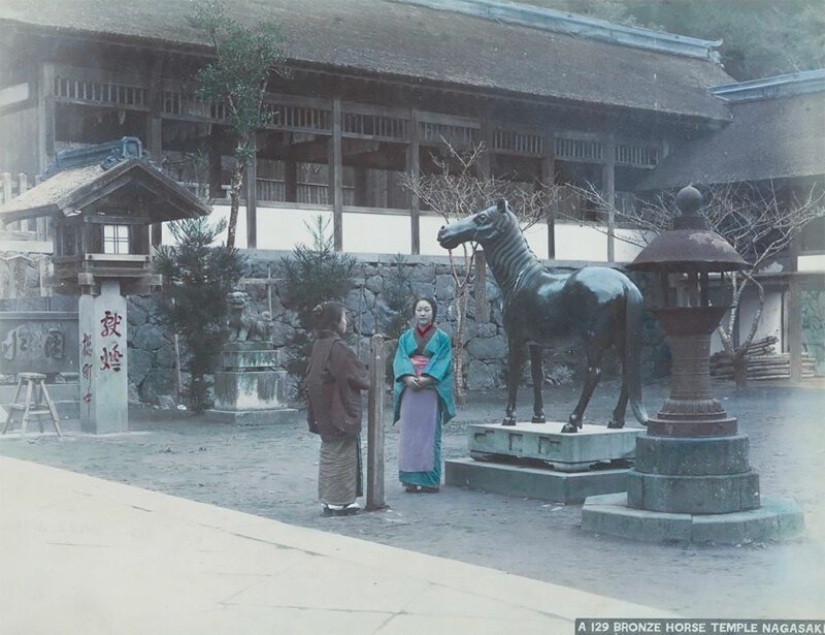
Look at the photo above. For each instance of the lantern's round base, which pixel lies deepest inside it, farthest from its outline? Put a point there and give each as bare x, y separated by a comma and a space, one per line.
774, 520
708, 494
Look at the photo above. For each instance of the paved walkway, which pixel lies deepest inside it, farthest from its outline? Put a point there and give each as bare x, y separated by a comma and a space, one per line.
80, 555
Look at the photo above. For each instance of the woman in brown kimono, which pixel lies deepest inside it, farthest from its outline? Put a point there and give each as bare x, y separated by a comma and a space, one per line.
335, 379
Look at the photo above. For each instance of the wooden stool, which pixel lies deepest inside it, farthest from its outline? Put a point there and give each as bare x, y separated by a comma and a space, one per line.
36, 395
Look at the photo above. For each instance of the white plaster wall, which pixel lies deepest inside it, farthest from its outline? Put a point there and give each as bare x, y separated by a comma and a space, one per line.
282, 228
770, 322
811, 263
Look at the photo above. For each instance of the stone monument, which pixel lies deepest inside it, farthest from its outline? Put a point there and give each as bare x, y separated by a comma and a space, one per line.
692, 481
249, 388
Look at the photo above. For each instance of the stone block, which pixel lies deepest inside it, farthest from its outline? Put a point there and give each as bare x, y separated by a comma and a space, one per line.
776, 519
609, 515
692, 457
531, 482
693, 494
544, 441
249, 390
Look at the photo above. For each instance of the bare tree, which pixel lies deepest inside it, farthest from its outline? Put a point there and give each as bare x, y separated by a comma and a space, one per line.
760, 221
457, 188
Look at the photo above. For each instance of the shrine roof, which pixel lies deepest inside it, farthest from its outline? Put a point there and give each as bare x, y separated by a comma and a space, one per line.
409, 41
772, 136
70, 190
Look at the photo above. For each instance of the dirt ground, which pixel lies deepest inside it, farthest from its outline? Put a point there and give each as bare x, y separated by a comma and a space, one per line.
271, 471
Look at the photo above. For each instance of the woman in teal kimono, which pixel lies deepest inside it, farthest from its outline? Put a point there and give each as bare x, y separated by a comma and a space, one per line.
423, 398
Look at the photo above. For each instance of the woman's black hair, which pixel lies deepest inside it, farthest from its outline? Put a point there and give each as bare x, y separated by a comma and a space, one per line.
327, 315
428, 300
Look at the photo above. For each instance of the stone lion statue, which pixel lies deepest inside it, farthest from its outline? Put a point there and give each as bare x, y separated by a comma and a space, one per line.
244, 325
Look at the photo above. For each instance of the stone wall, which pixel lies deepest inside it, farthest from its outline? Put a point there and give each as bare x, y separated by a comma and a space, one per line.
154, 354
152, 361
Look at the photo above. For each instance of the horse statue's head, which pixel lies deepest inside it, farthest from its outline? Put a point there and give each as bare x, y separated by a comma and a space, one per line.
482, 227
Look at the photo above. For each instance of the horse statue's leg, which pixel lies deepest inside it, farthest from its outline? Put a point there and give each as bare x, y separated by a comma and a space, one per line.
516, 355
594, 372
617, 420
537, 376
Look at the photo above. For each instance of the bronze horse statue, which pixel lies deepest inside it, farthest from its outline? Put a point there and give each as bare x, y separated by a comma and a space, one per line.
597, 306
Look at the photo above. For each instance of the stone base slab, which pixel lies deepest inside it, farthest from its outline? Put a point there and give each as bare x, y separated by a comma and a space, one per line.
576, 452
529, 482
253, 417
775, 519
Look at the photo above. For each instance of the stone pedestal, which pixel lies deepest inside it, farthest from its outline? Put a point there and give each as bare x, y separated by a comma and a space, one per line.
537, 461
104, 383
247, 388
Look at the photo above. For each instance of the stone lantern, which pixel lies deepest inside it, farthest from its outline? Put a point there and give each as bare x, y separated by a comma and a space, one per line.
103, 201
691, 480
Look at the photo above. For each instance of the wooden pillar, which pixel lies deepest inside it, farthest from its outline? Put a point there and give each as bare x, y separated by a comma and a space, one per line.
336, 177
375, 426
548, 179
609, 193
215, 168
413, 171
153, 140
252, 197
290, 178
45, 114
485, 161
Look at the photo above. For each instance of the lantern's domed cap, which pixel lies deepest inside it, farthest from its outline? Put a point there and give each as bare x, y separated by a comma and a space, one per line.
690, 246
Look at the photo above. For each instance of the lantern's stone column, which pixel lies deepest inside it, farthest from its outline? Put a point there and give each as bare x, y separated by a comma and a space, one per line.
104, 384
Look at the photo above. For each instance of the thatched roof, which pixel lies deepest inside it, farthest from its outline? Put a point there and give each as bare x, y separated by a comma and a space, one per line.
70, 190
769, 138
414, 43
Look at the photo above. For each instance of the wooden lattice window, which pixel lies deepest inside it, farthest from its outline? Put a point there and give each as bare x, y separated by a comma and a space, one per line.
368, 125
578, 149
520, 143
67, 88
637, 155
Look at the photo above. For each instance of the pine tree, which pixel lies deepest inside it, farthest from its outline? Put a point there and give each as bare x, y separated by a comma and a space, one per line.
196, 280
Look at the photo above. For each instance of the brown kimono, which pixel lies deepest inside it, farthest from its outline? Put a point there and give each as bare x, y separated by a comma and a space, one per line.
335, 379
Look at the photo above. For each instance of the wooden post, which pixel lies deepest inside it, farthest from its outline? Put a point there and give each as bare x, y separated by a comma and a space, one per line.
336, 177
413, 170
548, 179
609, 193
46, 116
375, 426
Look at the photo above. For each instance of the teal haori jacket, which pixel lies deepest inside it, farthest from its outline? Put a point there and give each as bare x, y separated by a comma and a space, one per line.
440, 368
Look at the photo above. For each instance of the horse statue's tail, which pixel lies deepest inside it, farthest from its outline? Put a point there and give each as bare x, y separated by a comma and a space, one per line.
633, 351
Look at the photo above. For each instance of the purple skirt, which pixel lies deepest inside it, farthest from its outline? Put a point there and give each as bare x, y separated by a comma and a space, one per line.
417, 444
